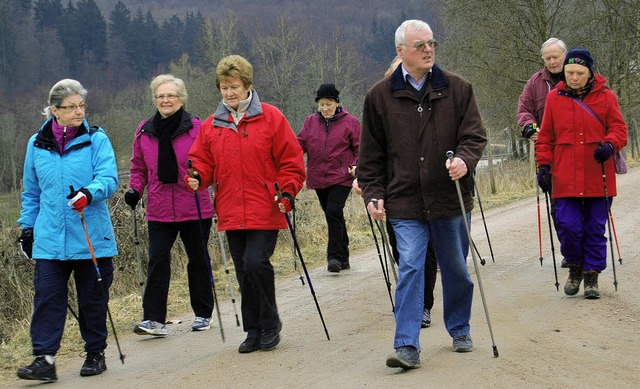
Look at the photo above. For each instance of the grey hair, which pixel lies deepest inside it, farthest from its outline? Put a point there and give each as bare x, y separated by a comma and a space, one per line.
166, 78
60, 91
414, 24
553, 41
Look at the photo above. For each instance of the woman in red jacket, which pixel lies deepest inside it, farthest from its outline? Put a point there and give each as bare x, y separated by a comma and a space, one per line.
242, 150
581, 129
331, 137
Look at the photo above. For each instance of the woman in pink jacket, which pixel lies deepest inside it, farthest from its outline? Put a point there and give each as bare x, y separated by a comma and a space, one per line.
158, 163
242, 150
581, 129
331, 137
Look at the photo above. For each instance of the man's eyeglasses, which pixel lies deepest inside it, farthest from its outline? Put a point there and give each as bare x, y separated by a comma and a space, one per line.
72, 108
169, 96
421, 45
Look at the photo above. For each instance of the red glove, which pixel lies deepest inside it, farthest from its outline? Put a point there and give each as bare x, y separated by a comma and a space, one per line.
287, 202
79, 199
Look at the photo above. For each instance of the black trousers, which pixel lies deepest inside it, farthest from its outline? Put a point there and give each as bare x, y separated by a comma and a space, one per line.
162, 235
430, 268
332, 200
251, 251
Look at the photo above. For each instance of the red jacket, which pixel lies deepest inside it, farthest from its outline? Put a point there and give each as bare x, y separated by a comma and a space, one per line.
243, 162
569, 136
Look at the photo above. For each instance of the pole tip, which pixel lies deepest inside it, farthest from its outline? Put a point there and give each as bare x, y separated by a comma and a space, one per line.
495, 352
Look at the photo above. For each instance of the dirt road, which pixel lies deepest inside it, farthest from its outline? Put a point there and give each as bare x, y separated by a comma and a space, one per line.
545, 339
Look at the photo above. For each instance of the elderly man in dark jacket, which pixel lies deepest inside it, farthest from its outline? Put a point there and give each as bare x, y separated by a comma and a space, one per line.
410, 120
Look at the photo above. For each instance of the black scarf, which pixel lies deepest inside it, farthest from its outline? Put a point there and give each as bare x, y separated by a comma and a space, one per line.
167, 162
582, 92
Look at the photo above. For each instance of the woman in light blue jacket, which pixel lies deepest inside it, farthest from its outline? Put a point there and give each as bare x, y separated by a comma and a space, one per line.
67, 153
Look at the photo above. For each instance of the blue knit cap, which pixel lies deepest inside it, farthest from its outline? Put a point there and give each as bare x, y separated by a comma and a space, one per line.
579, 57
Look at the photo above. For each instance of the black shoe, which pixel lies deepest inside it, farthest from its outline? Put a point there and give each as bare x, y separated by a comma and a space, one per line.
40, 370
270, 338
345, 265
251, 344
94, 364
334, 266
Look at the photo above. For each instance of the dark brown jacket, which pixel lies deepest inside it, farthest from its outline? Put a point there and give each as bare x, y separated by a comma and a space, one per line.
404, 142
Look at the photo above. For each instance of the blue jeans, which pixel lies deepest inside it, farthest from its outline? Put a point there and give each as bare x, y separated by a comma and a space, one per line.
449, 240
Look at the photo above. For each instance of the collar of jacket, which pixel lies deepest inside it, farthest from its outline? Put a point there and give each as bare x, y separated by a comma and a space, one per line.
46, 140
438, 79
340, 112
184, 126
221, 118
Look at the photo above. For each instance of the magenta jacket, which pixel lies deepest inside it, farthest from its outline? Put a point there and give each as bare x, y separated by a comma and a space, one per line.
533, 97
167, 202
331, 146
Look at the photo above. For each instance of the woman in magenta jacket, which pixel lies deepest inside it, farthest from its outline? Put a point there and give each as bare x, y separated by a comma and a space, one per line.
581, 129
331, 137
158, 163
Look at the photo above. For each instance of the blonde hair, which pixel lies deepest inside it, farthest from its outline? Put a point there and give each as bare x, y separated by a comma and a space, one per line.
234, 66
393, 65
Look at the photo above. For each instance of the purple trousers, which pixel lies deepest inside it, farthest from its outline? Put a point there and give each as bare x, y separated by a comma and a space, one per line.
581, 224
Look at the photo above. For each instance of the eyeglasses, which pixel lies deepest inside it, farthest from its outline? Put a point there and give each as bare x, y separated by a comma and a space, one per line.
420, 45
72, 108
169, 96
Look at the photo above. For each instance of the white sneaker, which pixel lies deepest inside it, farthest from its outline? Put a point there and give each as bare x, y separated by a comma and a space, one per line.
150, 327
201, 324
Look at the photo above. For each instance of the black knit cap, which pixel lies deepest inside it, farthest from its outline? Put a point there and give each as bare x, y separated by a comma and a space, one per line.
579, 57
328, 91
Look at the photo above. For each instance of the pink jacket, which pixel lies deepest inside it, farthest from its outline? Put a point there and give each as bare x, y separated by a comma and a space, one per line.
533, 97
167, 202
331, 146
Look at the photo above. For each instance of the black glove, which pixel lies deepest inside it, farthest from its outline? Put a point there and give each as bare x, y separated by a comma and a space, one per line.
529, 130
131, 197
544, 177
26, 242
603, 152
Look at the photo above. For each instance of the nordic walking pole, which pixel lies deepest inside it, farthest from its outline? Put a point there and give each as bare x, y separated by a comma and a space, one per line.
553, 250
304, 267
606, 204
475, 260
486, 230
203, 239
99, 275
136, 241
385, 274
615, 235
385, 245
539, 224
226, 271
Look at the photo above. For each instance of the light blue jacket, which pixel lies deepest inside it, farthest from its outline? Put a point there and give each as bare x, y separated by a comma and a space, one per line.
88, 161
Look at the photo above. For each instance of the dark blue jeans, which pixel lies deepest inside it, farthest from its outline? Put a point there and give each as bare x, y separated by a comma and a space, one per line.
162, 236
50, 301
251, 251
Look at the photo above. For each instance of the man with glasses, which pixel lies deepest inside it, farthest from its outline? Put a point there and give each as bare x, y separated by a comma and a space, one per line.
410, 120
